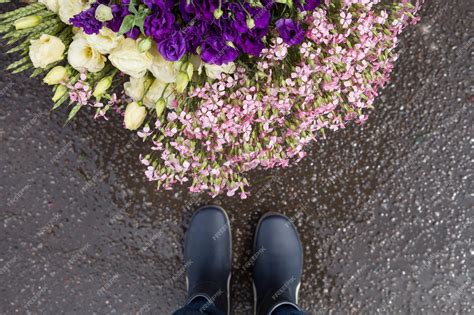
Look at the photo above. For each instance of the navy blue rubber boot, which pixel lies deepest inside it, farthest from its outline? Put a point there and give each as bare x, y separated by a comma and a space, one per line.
208, 254
278, 266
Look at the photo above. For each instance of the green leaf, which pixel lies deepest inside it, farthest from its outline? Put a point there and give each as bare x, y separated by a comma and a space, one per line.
73, 112
61, 101
127, 24
140, 22
132, 6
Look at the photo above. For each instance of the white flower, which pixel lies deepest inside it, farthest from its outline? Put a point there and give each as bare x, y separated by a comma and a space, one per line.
136, 88
197, 63
134, 116
52, 5
162, 69
104, 13
105, 41
158, 90
69, 8
46, 50
215, 71
56, 75
128, 59
83, 57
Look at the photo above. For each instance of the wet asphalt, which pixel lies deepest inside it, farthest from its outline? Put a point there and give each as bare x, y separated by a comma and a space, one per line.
385, 211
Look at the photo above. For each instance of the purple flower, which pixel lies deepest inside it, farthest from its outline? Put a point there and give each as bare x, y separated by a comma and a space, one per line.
119, 12
225, 29
240, 17
87, 21
201, 9
291, 32
153, 4
159, 24
250, 43
308, 5
173, 47
216, 51
133, 33
261, 17
194, 35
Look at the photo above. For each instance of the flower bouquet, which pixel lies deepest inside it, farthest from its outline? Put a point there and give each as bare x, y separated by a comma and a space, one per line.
216, 87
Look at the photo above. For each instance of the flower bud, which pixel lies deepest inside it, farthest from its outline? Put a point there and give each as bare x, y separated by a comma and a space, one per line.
56, 75
27, 22
160, 107
145, 44
182, 81
102, 86
103, 13
60, 92
190, 70
218, 13
134, 116
289, 3
250, 22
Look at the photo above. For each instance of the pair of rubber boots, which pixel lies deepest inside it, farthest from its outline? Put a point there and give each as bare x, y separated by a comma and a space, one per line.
277, 261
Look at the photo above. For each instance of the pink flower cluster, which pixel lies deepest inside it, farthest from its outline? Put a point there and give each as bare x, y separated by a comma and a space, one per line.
266, 114
80, 92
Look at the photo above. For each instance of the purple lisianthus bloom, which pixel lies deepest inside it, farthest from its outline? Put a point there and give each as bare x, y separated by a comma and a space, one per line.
224, 28
173, 47
201, 9
159, 24
260, 16
133, 33
87, 21
239, 17
119, 12
153, 4
216, 51
291, 31
250, 43
308, 5
194, 35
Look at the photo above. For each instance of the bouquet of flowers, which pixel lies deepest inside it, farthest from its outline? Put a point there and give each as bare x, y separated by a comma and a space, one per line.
217, 87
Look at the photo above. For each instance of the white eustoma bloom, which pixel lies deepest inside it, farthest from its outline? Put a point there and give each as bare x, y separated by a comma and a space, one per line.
215, 71
69, 8
52, 5
197, 63
162, 69
105, 41
104, 13
127, 58
56, 75
136, 88
158, 90
134, 116
83, 57
46, 50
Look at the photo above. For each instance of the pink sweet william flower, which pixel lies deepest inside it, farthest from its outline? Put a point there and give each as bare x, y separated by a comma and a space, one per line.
346, 19
267, 118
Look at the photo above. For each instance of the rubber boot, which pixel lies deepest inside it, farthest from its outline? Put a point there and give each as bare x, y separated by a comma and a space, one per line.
207, 254
278, 256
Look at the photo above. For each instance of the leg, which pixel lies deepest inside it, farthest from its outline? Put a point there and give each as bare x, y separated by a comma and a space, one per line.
287, 310
207, 252
199, 306
278, 266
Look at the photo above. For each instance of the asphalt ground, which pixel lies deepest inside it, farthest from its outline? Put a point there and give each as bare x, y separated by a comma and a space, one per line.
385, 210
